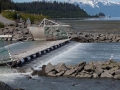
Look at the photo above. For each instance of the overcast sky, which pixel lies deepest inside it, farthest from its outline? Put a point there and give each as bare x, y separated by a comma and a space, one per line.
52, 0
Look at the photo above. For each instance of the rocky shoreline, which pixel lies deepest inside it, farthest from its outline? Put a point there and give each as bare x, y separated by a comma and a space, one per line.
106, 69
18, 31
94, 37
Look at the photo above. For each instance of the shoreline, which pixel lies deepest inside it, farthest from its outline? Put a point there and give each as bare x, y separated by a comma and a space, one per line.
94, 37
87, 71
100, 69
72, 69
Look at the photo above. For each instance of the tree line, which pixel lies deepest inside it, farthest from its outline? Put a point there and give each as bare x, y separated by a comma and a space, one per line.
52, 9
7, 4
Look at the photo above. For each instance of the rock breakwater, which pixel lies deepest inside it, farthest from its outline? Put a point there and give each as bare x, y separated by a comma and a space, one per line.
94, 37
106, 69
19, 32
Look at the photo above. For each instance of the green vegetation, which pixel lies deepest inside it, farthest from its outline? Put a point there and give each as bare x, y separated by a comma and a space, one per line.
9, 14
17, 15
38, 10
52, 9
1, 25
7, 4
32, 17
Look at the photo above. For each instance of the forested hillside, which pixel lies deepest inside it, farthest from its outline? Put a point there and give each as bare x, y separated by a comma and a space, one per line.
7, 4
52, 9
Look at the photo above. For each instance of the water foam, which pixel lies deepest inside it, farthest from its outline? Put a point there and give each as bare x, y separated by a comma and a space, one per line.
13, 44
63, 53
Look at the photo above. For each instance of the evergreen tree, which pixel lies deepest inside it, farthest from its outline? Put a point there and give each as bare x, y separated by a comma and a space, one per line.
6, 4
53, 9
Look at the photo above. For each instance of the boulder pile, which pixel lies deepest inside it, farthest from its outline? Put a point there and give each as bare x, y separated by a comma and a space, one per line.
19, 32
107, 69
94, 37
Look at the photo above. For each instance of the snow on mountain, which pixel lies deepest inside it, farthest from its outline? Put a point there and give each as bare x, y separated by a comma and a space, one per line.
93, 7
92, 3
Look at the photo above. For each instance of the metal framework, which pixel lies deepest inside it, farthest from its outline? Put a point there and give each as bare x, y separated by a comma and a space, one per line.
49, 30
49, 23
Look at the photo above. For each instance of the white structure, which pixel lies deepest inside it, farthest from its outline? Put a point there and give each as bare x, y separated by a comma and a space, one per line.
48, 30
6, 36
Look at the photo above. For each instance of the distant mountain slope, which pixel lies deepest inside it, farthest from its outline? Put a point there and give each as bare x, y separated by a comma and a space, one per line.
93, 7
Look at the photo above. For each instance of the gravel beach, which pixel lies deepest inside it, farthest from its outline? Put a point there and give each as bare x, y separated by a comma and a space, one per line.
94, 26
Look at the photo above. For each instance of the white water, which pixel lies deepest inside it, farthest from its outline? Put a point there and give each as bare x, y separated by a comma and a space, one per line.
72, 53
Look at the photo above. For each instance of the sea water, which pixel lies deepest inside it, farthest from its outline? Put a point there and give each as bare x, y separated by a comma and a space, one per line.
70, 54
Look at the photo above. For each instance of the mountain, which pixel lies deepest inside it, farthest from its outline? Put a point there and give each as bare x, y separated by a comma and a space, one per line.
93, 7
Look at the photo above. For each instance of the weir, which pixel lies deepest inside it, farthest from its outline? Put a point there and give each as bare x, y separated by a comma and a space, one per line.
4, 52
23, 57
53, 33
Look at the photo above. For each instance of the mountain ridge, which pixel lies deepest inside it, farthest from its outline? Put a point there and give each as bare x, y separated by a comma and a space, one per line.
93, 7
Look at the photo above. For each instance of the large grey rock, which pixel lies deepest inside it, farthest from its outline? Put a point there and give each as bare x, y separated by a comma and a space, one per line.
69, 72
110, 36
49, 67
42, 72
60, 67
117, 72
95, 75
113, 70
117, 77
89, 67
106, 67
106, 74
73, 75
79, 69
102, 38
117, 39
110, 61
109, 65
60, 73
98, 70
81, 64
52, 74
84, 75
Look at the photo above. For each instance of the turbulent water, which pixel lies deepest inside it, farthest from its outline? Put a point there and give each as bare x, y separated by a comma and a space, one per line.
70, 54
